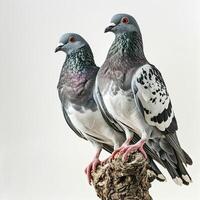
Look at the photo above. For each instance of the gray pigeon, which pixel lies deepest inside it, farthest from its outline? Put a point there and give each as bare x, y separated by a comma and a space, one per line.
81, 113
132, 92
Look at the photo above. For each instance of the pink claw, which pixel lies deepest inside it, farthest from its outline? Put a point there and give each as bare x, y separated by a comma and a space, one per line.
135, 147
91, 167
103, 162
117, 151
127, 149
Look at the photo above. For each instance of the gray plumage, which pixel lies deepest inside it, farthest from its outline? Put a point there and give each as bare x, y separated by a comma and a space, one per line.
75, 89
134, 94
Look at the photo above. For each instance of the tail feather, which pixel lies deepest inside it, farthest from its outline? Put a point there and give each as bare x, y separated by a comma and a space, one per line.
173, 173
183, 172
173, 157
173, 141
178, 172
188, 158
156, 170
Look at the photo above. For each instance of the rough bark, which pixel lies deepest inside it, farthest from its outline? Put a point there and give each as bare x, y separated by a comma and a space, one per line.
123, 180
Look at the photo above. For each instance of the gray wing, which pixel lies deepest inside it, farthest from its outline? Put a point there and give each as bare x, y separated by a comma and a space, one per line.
106, 115
113, 123
153, 99
70, 124
106, 147
116, 126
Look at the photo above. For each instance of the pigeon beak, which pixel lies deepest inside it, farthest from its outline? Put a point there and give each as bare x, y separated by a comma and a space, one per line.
109, 28
59, 48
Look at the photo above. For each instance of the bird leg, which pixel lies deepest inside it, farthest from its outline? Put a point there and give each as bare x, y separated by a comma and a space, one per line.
127, 149
134, 147
93, 165
125, 144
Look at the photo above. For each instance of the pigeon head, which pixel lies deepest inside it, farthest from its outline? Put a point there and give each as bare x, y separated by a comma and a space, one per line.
71, 42
123, 23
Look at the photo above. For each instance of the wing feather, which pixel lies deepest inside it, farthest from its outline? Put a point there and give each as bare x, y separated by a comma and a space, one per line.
115, 125
70, 124
153, 99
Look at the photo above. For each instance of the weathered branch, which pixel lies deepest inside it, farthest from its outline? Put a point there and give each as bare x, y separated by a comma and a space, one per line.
124, 180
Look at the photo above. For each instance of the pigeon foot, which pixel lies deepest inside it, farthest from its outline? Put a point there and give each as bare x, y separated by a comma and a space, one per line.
91, 167
127, 149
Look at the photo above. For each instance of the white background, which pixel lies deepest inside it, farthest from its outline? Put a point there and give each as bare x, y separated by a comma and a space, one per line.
40, 158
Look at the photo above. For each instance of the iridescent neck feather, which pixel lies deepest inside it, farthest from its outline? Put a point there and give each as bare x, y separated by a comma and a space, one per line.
127, 44
79, 59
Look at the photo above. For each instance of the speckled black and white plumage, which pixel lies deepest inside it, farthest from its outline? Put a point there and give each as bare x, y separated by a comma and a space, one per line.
75, 89
135, 95
151, 93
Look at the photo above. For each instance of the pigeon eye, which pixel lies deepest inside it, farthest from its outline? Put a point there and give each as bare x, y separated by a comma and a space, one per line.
72, 39
125, 20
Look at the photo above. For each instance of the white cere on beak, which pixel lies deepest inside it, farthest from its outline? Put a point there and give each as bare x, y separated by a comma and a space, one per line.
112, 24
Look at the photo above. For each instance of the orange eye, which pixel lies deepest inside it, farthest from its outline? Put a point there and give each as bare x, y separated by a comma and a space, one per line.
125, 20
72, 39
